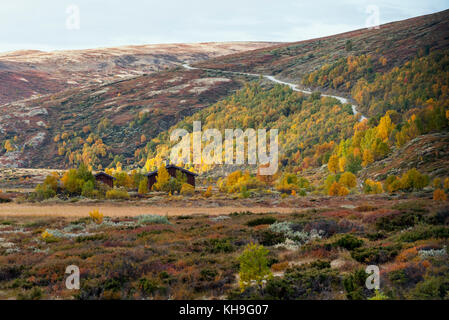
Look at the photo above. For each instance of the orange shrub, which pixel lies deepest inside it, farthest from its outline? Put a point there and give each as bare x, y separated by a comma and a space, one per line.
439, 195
279, 266
337, 189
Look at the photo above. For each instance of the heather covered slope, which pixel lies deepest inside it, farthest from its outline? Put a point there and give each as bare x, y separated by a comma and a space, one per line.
98, 123
30, 73
397, 42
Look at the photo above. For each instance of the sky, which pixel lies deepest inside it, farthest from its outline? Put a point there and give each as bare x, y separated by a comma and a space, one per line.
80, 24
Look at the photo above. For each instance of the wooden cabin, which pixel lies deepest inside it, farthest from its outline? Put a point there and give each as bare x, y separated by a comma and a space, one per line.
172, 171
105, 178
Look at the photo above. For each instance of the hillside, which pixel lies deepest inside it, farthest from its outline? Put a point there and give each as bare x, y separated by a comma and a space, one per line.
97, 123
400, 67
31, 73
397, 42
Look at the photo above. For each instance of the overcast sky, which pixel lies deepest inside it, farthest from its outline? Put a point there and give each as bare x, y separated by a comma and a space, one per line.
54, 24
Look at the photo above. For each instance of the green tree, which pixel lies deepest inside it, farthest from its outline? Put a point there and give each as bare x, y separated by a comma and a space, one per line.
143, 186
254, 266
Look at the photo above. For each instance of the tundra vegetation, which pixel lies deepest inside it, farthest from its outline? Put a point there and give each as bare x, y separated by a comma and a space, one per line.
313, 253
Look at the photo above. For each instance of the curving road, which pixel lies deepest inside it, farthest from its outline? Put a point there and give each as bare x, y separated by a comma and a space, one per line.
293, 86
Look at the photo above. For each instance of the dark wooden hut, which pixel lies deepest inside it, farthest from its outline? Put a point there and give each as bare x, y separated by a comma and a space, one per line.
172, 171
105, 178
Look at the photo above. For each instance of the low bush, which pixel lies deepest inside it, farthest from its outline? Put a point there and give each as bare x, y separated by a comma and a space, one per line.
187, 189
398, 221
269, 238
349, 242
425, 232
117, 194
261, 221
375, 255
152, 218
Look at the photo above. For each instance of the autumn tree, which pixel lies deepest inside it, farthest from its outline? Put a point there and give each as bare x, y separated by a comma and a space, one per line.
162, 179
348, 180
333, 164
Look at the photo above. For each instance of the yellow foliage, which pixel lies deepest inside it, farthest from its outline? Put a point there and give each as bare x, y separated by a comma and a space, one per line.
367, 157
333, 164
372, 187
143, 186
46, 235
187, 189
162, 178
337, 189
342, 164
348, 180
96, 216
437, 183
208, 192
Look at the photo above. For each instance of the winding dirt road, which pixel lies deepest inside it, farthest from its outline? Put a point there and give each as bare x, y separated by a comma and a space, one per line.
293, 86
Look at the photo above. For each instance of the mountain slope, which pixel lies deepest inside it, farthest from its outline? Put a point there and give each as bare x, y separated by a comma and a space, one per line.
93, 124
29, 73
397, 42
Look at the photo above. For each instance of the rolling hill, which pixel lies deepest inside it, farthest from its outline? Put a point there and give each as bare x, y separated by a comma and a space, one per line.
24, 74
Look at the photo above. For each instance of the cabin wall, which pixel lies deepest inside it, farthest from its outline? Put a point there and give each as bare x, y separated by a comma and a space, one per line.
172, 172
105, 180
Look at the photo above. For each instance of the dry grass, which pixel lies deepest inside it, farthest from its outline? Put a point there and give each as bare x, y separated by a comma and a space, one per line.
117, 210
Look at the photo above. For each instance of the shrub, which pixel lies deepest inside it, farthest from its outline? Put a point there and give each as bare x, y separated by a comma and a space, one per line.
220, 246
149, 286
152, 218
424, 233
88, 189
74, 179
338, 190
48, 237
51, 181
432, 288
208, 192
187, 189
122, 179
439, 195
437, 183
117, 194
354, 285
372, 187
348, 242
375, 255
143, 186
269, 238
304, 282
411, 180
238, 182
414, 180
398, 221
96, 216
261, 221
348, 180
43, 192
253, 266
